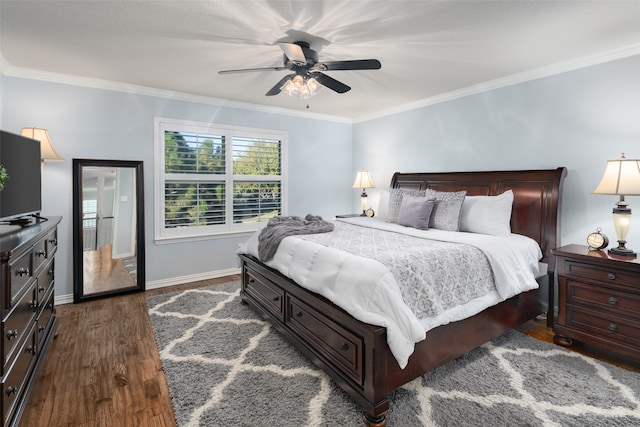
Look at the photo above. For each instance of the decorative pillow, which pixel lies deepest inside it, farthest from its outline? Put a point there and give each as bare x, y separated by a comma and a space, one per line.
383, 206
487, 214
415, 212
446, 210
395, 200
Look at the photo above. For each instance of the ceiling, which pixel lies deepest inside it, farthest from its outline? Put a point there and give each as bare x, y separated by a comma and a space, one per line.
427, 48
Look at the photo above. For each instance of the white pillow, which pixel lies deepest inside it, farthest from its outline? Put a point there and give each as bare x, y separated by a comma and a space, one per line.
383, 206
487, 214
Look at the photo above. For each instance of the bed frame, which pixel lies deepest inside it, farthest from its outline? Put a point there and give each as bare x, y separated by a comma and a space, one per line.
355, 354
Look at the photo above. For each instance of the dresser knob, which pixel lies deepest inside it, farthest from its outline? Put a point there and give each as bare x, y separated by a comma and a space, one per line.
53, 241
299, 314
40, 253
612, 300
22, 272
12, 333
276, 299
33, 305
613, 326
252, 280
31, 349
611, 276
11, 390
41, 289
344, 347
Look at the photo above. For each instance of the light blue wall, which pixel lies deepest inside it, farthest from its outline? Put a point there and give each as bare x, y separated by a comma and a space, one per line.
578, 119
104, 124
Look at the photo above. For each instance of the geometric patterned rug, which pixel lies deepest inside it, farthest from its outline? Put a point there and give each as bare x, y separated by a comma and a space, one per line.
227, 367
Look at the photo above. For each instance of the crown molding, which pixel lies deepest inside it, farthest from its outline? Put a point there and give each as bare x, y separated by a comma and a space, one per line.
8, 70
535, 74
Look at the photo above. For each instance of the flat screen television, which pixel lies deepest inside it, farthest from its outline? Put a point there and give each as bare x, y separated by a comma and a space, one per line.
21, 195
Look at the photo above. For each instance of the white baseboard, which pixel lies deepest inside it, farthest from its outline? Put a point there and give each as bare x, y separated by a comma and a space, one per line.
157, 284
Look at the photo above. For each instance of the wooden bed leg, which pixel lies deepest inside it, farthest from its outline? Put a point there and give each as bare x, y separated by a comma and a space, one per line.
379, 421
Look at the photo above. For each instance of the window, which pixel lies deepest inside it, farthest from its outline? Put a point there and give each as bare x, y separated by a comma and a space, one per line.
216, 179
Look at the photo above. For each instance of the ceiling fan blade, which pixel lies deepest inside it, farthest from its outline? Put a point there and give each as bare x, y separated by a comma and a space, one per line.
249, 70
330, 82
277, 88
293, 52
359, 64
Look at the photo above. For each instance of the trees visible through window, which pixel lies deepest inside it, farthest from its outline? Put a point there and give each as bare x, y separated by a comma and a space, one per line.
217, 179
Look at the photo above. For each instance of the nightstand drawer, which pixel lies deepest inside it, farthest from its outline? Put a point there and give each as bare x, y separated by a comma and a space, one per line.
604, 326
603, 299
605, 275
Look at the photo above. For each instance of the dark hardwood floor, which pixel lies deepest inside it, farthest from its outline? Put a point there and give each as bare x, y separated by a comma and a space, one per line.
103, 368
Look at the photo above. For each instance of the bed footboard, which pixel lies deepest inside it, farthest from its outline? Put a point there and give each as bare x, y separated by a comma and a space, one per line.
333, 340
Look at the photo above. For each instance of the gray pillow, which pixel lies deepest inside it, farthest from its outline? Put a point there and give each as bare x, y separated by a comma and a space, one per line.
446, 210
415, 211
395, 200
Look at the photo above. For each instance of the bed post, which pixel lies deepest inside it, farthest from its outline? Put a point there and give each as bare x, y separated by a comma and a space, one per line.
379, 421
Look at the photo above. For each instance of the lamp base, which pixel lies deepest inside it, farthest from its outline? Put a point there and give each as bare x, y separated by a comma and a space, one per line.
621, 250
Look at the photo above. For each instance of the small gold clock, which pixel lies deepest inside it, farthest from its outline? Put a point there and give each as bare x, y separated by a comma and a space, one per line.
369, 212
597, 240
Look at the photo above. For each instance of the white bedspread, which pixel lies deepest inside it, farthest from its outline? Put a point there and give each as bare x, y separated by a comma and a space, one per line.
368, 291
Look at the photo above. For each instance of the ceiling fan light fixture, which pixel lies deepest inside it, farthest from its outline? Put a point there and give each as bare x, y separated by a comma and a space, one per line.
302, 86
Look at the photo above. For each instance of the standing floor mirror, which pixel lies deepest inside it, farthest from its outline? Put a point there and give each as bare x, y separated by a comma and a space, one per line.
108, 228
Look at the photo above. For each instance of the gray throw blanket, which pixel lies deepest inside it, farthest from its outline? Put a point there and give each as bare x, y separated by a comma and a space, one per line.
282, 226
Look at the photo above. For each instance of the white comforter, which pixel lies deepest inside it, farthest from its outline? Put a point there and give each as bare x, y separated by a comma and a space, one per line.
368, 291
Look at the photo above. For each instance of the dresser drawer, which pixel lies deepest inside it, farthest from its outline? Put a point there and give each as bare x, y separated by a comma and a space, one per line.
45, 318
15, 381
601, 274
51, 243
20, 275
602, 298
342, 347
604, 326
44, 281
270, 296
17, 323
39, 255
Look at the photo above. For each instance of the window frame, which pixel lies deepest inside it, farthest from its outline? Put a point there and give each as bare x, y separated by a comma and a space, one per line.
229, 228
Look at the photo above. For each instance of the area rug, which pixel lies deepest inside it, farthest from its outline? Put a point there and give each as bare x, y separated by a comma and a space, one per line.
227, 367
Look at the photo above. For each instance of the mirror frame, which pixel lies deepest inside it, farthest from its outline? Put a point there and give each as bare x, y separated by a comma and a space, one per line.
78, 271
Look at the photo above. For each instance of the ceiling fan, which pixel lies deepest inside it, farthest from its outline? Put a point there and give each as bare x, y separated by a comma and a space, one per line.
308, 71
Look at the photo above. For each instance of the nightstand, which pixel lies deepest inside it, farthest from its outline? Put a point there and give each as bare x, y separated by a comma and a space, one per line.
598, 300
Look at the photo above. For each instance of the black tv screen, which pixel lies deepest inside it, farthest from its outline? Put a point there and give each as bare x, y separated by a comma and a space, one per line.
21, 194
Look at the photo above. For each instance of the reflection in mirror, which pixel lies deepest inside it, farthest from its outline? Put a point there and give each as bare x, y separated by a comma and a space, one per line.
108, 228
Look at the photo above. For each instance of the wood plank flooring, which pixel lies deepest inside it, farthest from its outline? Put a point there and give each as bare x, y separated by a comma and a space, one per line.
103, 368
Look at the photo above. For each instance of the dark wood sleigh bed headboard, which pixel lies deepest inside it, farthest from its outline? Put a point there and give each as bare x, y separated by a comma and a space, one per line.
537, 197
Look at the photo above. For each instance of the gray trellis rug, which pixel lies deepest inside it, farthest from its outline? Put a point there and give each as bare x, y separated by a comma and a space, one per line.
227, 367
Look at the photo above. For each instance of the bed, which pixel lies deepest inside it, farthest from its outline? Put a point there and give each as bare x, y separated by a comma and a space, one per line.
355, 354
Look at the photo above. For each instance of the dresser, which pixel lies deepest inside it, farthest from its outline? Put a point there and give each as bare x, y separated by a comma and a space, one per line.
598, 300
28, 315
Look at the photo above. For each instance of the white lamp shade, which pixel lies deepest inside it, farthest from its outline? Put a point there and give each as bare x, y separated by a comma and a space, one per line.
47, 152
621, 177
363, 180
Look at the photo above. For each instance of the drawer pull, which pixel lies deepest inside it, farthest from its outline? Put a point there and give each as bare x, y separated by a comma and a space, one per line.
613, 326
613, 300
299, 314
41, 329
53, 241
31, 349
276, 299
611, 276
41, 289
252, 280
12, 333
40, 253
11, 390
33, 305
344, 347
22, 272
